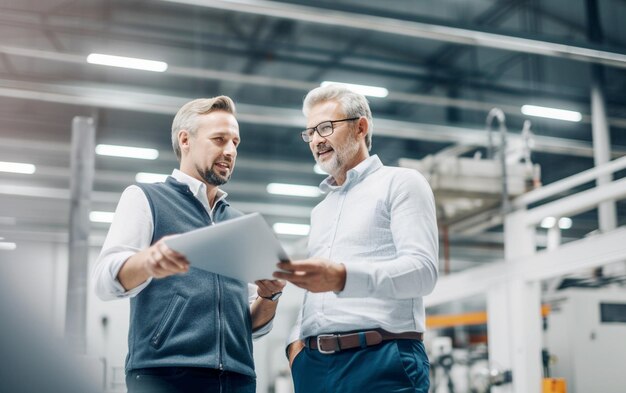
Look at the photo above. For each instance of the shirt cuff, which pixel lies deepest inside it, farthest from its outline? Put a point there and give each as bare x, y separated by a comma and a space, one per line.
358, 280
263, 330
121, 293
118, 289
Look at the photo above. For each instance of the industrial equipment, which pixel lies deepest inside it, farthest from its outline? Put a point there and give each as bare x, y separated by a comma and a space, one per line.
586, 338
466, 186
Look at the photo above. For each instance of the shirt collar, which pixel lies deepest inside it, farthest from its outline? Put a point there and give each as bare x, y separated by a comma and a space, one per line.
364, 168
197, 187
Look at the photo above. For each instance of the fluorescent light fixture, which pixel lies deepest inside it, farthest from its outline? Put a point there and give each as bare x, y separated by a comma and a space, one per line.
548, 222
105, 217
551, 113
565, 223
283, 228
17, 167
372, 91
127, 62
318, 169
7, 246
293, 190
145, 177
127, 151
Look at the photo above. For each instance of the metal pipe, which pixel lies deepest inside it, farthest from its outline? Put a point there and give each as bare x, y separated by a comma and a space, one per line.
496, 113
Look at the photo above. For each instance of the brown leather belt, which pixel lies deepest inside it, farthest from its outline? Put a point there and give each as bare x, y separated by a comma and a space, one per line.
331, 343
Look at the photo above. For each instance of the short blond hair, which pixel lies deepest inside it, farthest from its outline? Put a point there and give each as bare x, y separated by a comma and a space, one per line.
187, 116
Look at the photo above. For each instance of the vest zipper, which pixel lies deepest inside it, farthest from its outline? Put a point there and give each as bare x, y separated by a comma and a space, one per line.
220, 327
220, 330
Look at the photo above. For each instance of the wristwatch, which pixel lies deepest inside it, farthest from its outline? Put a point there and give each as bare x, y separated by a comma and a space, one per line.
273, 297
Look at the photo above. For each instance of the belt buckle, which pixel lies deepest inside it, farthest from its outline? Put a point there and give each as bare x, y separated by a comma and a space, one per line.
319, 345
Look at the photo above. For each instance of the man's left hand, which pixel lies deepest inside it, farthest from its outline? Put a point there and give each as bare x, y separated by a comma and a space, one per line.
314, 274
266, 288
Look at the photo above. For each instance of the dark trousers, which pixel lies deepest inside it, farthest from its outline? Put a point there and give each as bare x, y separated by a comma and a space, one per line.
394, 366
188, 380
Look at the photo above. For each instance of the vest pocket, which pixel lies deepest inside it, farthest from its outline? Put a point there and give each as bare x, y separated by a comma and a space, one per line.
172, 312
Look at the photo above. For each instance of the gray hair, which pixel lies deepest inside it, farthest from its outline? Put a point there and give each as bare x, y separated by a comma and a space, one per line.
352, 104
187, 116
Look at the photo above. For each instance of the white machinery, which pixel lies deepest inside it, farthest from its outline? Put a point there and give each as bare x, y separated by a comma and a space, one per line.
466, 186
586, 339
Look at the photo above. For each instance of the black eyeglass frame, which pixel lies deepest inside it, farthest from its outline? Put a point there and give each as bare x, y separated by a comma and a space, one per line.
305, 134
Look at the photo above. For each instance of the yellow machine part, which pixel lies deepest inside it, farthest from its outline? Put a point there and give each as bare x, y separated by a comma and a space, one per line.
554, 385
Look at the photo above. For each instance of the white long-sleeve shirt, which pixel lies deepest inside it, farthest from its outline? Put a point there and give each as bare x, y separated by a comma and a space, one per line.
131, 232
381, 224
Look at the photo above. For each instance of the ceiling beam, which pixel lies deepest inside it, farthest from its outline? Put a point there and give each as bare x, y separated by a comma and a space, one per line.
260, 80
100, 97
111, 198
59, 149
415, 29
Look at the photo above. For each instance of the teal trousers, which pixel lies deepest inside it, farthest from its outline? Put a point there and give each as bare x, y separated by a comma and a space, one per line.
394, 366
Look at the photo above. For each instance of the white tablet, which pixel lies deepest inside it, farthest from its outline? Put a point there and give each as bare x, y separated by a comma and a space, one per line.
244, 248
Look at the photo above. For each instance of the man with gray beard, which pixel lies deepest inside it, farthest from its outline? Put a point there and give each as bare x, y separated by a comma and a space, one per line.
190, 330
373, 249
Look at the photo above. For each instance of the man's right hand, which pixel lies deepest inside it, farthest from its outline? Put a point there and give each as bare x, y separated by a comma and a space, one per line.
161, 261
156, 261
293, 350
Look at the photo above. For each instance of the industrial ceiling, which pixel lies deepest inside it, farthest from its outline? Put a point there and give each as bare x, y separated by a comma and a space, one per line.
445, 64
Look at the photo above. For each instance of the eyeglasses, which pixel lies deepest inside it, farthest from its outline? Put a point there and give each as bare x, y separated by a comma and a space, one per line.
324, 129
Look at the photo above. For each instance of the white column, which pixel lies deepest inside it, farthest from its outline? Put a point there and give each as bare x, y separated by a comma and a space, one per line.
514, 314
526, 335
81, 185
498, 332
607, 215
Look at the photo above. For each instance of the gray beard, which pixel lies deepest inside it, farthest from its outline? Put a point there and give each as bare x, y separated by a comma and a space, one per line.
340, 158
210, 177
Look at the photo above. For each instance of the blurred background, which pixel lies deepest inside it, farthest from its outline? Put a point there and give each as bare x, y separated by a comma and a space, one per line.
514, 111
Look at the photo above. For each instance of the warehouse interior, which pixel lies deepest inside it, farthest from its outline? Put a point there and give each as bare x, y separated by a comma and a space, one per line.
514, 111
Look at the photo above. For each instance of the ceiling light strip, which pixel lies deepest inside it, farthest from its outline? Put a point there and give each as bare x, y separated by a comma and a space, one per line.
372, 91
127, 152
145, 177
101, 217
126, 62
293, 190
283, 228
17, 167
551, 113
